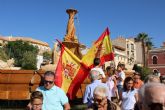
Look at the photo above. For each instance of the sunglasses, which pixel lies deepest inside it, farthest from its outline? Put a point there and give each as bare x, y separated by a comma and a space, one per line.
50, 82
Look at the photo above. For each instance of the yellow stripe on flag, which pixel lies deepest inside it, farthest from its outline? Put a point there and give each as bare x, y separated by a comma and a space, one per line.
101, 48
71, 65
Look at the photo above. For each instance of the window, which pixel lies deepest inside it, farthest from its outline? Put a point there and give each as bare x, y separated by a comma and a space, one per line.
128, 53
155, 60
127, 45
132, 47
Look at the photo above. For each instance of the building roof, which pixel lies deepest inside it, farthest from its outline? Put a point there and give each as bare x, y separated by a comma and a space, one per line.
34, 41
157, 50
119, 43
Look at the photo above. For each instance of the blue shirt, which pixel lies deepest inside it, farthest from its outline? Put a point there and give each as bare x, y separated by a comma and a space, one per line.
54, 98
88, 95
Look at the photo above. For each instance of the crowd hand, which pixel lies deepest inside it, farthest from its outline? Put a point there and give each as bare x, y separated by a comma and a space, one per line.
116, 76
103, 102
29, 107
120, 102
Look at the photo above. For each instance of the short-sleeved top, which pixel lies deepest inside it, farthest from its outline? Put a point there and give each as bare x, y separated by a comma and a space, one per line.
88, 95
128, 99
110, 83
121, 75
54, 98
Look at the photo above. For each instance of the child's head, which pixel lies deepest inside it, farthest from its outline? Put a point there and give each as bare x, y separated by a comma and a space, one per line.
36, 100
120, 67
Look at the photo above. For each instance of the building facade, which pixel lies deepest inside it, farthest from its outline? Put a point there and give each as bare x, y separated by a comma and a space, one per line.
156, 59
125, 51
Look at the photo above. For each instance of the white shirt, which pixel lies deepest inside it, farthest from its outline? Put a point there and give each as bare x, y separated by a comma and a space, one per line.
122, 76
110, 83
128, 99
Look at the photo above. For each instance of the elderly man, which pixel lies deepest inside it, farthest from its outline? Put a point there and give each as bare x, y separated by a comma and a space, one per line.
95, 76
54, 98
152, 97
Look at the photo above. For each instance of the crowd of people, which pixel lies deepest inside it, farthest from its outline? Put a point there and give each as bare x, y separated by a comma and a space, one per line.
117, 92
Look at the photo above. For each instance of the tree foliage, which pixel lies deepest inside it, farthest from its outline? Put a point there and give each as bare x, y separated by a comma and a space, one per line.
29, 61
144, 72
47, 56
3, 55
17, 50
146, 42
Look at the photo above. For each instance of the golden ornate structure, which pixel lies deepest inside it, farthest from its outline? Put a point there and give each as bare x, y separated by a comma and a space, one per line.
70, 32
70, 39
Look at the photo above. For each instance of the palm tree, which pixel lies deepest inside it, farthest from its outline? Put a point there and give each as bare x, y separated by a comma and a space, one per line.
146, 44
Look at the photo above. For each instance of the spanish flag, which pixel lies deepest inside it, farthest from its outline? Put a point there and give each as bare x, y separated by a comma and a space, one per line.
102, 48
70, 72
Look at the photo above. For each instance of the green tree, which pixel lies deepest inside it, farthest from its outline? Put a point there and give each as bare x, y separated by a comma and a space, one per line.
16, 50
47, 56
29, 61
3, 55
144, 71
146, 42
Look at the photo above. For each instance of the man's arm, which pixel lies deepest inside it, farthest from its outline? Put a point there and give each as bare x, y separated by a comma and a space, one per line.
85, 97
67, 106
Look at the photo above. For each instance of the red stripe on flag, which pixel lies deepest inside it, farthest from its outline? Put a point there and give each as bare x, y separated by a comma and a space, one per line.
77, 81
106, 32
105, 58
58, 72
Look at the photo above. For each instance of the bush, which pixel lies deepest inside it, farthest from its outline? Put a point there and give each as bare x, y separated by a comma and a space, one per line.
20, 49
144, 71
3, 55
29, 61
47, 56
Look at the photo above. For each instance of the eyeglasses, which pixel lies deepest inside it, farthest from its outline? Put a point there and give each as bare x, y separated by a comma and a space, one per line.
50, 82
38, 104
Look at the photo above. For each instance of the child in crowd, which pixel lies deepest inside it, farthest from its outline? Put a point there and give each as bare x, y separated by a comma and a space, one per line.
112, 83
36, 100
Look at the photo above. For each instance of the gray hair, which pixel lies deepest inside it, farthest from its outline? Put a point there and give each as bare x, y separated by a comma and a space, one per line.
152, 78
94, 74
100, 91
144, 94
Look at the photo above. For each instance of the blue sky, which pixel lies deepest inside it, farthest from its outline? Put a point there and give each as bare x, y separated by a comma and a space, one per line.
46, 20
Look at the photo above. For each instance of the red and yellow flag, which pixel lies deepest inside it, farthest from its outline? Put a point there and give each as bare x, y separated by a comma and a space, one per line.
70, 73
102, 48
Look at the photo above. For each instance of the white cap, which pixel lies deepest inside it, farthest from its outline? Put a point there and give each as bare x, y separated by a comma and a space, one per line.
100, 71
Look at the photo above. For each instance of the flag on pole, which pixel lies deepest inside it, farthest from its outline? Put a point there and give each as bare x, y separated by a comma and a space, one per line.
70, 72
102, 48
